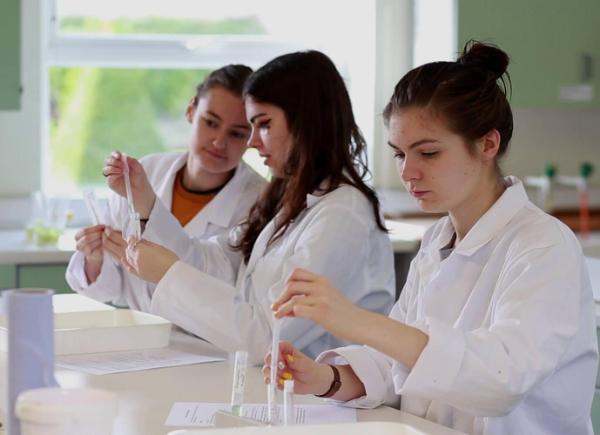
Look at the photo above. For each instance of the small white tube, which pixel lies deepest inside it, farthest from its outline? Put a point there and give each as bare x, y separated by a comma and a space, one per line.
239, 382
288, 403
272, 387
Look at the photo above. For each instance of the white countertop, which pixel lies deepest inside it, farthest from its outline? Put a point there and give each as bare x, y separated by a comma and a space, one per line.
146, 397
14, 249
405, 234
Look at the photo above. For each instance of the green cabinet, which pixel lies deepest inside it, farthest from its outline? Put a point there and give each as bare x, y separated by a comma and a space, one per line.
10, 53
552, 44
50, 276
8, 276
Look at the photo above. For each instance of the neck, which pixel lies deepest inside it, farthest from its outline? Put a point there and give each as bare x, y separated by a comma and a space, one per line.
198, 179
481, 200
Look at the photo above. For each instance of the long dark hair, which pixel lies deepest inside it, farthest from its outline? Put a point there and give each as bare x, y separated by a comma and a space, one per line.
327, 143
470, 94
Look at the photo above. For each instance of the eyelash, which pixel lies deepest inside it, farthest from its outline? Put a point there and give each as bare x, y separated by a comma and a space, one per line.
264, 125
429, 155
211, 123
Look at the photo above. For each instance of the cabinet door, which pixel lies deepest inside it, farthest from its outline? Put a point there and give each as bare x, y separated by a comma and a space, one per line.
596, 412
7, 276
10, 52
551, 43
50, 276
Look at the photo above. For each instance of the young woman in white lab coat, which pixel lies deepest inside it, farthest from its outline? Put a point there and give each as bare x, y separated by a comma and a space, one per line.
208, 187
494, 331
317, 212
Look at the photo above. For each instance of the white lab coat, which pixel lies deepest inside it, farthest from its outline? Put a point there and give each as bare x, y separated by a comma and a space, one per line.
227, 209
213, 294
511, 325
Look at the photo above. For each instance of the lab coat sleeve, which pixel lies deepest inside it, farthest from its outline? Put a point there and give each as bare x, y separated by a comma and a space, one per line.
487, 371
372, 368
213, 256
108, 287
110, 283
247, 314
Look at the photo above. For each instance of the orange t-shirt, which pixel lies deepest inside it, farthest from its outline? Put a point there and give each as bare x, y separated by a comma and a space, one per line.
187, 204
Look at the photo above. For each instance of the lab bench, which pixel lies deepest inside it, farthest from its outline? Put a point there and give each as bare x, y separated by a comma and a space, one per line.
145, 397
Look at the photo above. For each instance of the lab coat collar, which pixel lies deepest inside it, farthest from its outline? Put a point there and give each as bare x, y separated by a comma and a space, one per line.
490, 224
221, 209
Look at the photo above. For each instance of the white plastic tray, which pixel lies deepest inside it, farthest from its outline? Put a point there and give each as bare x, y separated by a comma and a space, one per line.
371, 428
86, 326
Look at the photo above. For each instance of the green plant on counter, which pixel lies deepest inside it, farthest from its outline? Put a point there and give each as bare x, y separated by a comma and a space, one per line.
42, 234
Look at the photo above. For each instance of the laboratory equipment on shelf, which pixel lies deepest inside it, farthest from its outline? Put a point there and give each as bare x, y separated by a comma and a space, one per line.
580, 182
544, 185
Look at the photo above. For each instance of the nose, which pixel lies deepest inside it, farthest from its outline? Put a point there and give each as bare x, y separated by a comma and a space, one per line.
220, 140
408, 170
254, 139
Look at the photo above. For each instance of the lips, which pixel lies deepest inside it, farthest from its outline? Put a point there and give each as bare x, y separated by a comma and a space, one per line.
215, 154
418, 193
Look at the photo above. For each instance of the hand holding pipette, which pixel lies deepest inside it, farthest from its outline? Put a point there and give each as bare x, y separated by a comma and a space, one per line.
142, 194
149, 260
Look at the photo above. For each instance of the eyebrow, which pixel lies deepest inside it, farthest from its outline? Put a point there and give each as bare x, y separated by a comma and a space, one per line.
414, 144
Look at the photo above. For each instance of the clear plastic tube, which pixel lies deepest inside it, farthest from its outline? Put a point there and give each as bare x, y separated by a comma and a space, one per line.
272, 414
288, 403
239, 382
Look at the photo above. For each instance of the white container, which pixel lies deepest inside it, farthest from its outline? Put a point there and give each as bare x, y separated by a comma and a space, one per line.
62, 411
371, 428
89, 328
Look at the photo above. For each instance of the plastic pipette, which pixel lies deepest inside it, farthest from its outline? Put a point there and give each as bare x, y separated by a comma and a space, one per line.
89, 198
239, 382
272, 387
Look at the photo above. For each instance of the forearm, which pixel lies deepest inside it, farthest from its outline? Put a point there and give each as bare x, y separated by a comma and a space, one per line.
397, 340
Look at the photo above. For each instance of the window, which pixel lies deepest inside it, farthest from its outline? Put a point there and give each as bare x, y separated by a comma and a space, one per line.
120, 74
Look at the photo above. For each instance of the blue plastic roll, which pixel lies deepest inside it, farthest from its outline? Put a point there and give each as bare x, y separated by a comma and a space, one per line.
30, 345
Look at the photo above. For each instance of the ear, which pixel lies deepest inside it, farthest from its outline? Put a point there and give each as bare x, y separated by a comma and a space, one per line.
489, 144
191, 109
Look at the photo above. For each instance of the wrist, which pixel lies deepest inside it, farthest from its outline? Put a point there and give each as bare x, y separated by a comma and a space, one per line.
334, 383
147, 207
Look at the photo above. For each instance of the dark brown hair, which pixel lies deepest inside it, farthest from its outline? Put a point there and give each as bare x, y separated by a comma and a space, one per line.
327, 143
469, 94
230, 77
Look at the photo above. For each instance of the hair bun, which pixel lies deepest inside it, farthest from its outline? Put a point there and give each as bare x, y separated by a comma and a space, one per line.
484, 56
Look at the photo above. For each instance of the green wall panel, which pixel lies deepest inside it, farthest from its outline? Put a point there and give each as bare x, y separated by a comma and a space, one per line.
10, 54
44, 276
546, 40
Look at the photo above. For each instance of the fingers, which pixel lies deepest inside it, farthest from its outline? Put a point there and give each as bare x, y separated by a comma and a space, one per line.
294, 289
287, 309
89, 230
89, 242
299, 274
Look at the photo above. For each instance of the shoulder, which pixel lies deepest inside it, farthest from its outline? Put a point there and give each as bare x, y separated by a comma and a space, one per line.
160, 162
533, 229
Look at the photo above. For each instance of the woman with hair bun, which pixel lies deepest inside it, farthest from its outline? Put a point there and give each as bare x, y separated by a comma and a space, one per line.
494, 331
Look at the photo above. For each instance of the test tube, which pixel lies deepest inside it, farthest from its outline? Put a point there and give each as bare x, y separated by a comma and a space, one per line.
288, 403
272, 387
239, 382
